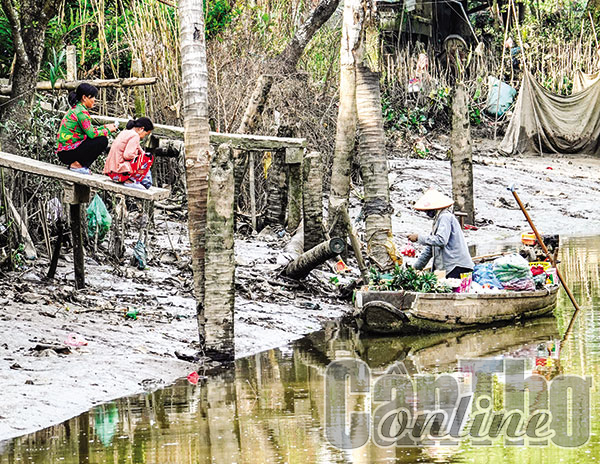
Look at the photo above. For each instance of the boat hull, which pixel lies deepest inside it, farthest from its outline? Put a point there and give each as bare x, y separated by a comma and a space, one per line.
409, 312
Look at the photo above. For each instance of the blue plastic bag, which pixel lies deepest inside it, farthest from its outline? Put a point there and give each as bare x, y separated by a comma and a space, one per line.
498, 106
483, 274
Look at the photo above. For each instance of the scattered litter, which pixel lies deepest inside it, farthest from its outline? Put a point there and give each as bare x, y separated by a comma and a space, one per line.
140, 255
500, 97
131, 314
193, 378
75, 340
54, 210
340, 267
99, 219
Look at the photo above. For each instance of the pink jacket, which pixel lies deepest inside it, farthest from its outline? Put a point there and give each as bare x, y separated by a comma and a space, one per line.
124, 149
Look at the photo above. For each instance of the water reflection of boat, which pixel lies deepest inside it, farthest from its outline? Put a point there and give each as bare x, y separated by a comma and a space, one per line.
441, 351
409, 312
426, 351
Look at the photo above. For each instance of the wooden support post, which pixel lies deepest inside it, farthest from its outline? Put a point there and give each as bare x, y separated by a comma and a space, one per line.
276, 191
312, 197
293, 159
462, 154
139, 100
78, 256
56, 250
252, 188
75, 195
307, 261
71, 63
219, 261
117, 242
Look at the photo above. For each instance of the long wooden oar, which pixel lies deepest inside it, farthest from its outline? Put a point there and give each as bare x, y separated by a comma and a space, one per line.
541, 242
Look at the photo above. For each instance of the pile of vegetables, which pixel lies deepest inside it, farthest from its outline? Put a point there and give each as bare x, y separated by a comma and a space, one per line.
406, 279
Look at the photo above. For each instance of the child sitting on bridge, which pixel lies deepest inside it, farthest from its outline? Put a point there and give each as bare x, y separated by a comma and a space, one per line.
127, 162
79, 141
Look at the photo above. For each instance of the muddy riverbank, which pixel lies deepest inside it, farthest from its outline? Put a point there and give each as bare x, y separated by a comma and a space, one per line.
124, 356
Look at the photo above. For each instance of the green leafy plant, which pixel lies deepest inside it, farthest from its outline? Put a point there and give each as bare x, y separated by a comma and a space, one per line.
55, 66
407, 279
475, 116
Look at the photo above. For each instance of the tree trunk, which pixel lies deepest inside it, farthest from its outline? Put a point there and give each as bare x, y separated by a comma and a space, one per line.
462, 154
312, 199
373, 168
28, 41
288, 60
196, 138
294, 50
220, 261
306, 262
346, 120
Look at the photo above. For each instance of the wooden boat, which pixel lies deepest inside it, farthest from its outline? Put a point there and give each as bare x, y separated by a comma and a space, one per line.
410, 312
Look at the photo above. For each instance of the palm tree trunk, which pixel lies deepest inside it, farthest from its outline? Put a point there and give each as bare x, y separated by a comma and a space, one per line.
373, 168
196, 138
219, 260
346, 121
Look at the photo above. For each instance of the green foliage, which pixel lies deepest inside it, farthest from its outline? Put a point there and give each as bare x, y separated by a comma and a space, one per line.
7, 50
475, 116
36, 138
419, 118
219, 15
55, 70
407, 279
18, 259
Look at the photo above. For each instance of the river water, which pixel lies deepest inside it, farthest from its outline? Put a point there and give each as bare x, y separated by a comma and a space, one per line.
270, 408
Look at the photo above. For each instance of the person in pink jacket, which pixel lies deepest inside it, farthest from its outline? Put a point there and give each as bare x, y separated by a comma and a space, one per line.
127, 163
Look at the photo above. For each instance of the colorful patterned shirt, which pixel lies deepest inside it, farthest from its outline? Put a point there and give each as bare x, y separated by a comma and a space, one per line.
77, 126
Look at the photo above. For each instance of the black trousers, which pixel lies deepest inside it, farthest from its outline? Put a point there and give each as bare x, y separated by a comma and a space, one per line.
86, 153
457, 271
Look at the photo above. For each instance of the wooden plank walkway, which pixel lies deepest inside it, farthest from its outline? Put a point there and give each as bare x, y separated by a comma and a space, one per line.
96, 181
237, 141
77, 191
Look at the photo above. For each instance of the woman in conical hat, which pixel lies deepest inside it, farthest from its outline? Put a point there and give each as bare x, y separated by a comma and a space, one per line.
446, 244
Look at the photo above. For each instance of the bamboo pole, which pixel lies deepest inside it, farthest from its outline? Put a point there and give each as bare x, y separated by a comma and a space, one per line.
71, 63
551, 258
62, 84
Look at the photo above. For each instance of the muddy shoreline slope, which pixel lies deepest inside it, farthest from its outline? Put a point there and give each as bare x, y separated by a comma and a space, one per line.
124, 356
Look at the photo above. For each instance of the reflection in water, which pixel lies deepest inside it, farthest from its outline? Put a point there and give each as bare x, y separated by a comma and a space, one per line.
270, 407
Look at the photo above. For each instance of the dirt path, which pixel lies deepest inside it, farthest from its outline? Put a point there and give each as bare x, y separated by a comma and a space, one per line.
125, 356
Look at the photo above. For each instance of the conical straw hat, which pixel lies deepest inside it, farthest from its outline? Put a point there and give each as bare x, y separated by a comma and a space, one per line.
432, 199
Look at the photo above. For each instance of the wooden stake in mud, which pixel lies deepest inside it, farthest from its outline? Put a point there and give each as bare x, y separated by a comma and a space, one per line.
56, 250
71, 63
75, 196
461, 163
550, 257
